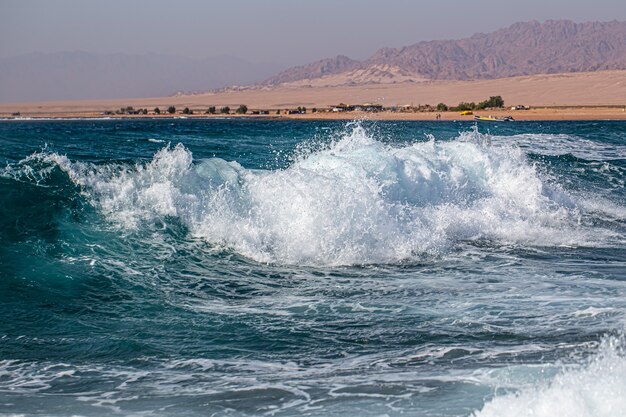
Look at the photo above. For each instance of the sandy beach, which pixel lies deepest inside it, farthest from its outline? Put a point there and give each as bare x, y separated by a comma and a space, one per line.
576, 96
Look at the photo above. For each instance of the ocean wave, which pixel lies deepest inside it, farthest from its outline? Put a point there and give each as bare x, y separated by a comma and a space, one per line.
564, 144
586, 386
355, 201
595, 388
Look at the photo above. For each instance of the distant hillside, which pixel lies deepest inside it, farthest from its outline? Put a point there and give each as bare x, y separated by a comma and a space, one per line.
82, 75
556, 46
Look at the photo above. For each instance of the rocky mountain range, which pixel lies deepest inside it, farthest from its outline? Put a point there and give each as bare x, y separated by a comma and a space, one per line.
527, 48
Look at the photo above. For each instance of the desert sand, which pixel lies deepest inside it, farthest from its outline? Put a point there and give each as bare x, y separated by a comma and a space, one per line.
576, 96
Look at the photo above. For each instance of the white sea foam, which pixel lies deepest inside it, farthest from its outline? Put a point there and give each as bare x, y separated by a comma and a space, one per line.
595, 386
357, 201
594, 389
562, 144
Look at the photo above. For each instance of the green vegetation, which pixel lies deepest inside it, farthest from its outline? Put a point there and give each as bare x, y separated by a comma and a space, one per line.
187, 111
130, 110
225, 110
492, 103
242, 109
171, 109
126, 110
157, 110
464, 106
210, 110
442, 107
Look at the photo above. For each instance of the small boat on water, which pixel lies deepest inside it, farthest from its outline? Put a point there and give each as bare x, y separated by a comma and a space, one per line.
494, 119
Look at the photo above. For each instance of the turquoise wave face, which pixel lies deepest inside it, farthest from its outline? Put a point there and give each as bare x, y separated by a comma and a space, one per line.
288, 268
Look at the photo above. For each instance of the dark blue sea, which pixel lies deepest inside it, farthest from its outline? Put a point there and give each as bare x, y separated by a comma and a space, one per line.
308, 268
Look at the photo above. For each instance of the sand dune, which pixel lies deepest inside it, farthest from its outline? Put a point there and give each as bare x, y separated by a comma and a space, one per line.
574, 89
577, 89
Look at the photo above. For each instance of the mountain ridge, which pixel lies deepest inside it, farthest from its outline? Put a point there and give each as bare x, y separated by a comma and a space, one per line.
523, 48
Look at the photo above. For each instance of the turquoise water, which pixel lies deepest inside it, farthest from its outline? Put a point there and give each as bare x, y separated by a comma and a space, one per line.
240, 268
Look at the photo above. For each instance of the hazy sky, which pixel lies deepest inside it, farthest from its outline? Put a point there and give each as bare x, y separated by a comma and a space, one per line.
282, 31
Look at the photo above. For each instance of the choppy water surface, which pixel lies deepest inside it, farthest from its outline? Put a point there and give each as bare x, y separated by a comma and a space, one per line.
228, 267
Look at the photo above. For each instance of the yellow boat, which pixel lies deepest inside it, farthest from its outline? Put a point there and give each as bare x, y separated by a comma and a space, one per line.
493, 119
467, 113
486, 118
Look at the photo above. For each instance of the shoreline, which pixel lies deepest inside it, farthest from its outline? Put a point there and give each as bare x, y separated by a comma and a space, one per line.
572, 96
556, 113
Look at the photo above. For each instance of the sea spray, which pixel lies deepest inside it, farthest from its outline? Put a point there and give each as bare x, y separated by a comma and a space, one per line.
594, 388
355, 201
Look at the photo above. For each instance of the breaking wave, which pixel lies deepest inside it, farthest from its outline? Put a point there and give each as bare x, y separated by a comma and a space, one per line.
596, 388
355, 201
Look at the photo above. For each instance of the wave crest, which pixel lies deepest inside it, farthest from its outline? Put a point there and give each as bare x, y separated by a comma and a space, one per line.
594, 389
357, 201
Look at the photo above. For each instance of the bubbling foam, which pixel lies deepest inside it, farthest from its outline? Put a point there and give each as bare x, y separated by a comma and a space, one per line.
595, 389
357, 201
